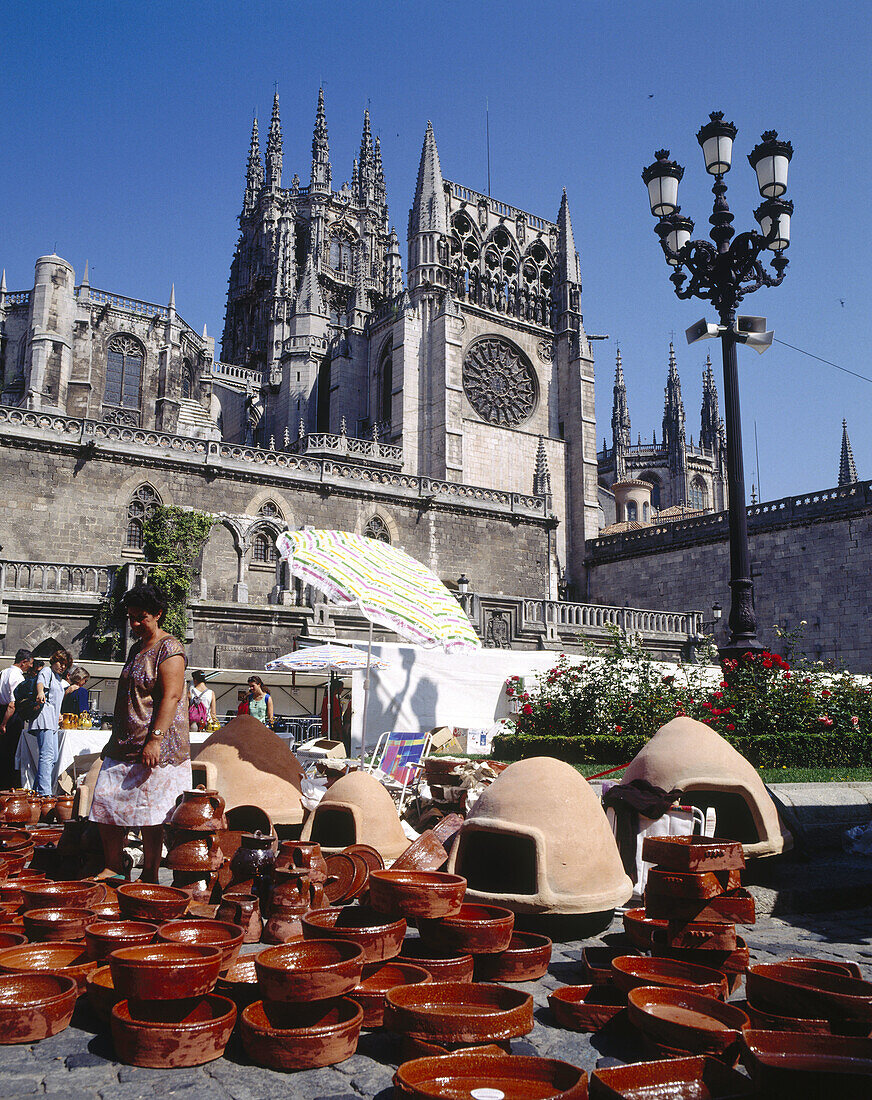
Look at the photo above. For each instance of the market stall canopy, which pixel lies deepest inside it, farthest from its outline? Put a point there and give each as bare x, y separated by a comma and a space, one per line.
324, 658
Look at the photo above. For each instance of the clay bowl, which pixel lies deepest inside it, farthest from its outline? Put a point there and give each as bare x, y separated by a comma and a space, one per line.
164, 971
309, 970
424, 854
442, 966
412, 1048
815, 993
786, 1064
143, 901
102, 937
732, 963
378, 935
370, 993
476, 929
586, 1007
12, 922
831, 966
4, 870
56, 925
700, 885
10, 938
17, 859
764, 1018
62, 895
682, 1020
46, 834
29, 875
301, 1036
34, 1006
142, 1037
209, 933
693, 853
698, 1078
514, 1077
525, 960
69, 959
12, 840
11, 895
632, 971
735, 905
699, 935
454, 1012
101, 993
239, 983
596, 963
427, 894
640, 928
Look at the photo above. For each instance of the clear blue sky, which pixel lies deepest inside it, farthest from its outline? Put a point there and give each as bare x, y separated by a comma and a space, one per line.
125, 126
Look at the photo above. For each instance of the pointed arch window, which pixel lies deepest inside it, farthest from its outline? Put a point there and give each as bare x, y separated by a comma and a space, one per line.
698, 495
271, 510
340, 255
263, 548
376, 528
143, 504
654, 482
125, 359
187, 380
386, 385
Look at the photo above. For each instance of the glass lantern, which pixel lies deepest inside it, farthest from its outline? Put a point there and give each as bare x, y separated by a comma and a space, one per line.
769, 160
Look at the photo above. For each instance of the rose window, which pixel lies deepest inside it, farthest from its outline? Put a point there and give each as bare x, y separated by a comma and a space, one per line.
499, 383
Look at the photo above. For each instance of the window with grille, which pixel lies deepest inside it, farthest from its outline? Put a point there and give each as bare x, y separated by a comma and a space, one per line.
377, 529
187, 380
125, 358
698, 495
270, 509
143, 504
263, 549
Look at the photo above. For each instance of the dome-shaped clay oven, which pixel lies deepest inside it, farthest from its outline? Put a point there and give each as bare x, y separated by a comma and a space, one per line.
357, 810
255, 767
538, 841
694, 758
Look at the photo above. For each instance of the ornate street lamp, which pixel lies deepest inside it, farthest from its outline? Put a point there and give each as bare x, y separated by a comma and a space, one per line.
723, 273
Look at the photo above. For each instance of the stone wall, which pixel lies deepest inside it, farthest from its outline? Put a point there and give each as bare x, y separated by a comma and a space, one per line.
811, 558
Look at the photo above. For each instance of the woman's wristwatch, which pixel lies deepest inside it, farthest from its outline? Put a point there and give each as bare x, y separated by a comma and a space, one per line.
156, 734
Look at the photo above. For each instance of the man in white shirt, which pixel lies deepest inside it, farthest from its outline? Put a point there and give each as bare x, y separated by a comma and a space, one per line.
10, 726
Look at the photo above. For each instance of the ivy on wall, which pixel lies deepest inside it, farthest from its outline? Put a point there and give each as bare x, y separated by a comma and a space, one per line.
174, 537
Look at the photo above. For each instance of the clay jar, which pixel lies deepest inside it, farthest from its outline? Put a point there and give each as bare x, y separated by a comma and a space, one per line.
200, 811
244, 910
293, 895
16, 808
63, 810
193, 850
300, 855
253, 862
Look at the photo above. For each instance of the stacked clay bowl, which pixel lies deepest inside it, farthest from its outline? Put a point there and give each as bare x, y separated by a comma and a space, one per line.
69, 959
487, 1076
239, 983
304, 1019
586, 1007
144, 901
378, 980
677, 1077
787, 1064
473, 929
442, 966
56, 925
166, 1014
78, 894
633, 971
677, 1020
416, 894
101, 993
208, 933
34, 1006
526, 959
102, 937
458, 1013
380, 936
809, 996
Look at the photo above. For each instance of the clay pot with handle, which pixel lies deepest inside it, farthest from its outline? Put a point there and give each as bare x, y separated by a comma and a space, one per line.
64, 807
244, 910
201, 811
16, 808
305, 856
191, 850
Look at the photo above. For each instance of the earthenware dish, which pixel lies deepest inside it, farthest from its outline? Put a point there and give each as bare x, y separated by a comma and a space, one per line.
817, 993
34, 1006
423, 854
345, 878
698, 1078
370, 993
488, 1076
301, 1036
309, 970
165, 971
632, 971
368, 854
693, 853
62, 895
102, 937
144, 901
736, 906
142, 1038
69, 959
690, 885
239, 983
378, 935
596, 964
683, 1020
526, 959
640, 928
832, 966
455, 1012
476, 929
56, 925
787, 1064
442, 966
732, 963
586, 1007
206, 933
101, 992
701, 935
10, 938
427, 894
764, 1018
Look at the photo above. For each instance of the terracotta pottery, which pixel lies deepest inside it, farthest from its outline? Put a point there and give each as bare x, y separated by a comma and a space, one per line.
164, 971
193, 850
442, 770
12, 840
683, 1020
11, 939
447, 829
357, 810
596, 963
477, 929
207, 933
787, 1064
690, 885
343, 878
63, 895
455, 1012
63, 810
102, 937
69, 959
640, 928
199, 810
632, 971
764, 1018
239, 983
11, 894
730, 962
46, 834
301, 1036
370, 993
412, 1047
16, 860
427, 894
34, 1006
586, 1007
302, 855
142, 1038
310, 970
380, 937
701, 935
815, 993
144, 901
47, 805
697, 1078
107, 910
30, 876
12, 922
443, 966
833, 966
244, 910
487, 1076
736, 906
423, 854
101, 993
56, 925
525, 960
363, 870
693, 853
16, 808
35, 808
253, 862
372, 858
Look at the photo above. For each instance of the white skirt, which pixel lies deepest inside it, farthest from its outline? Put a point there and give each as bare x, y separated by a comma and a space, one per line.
134, 796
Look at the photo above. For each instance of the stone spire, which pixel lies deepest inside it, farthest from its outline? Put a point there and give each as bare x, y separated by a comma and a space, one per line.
394, 272
428, 219
3, 290
674, 436
381, 191
366, 164
847, 469
709, 436
274, 148
309, 299
620, 410
85, 278
321, 175
254, 174
541, 474
568, 270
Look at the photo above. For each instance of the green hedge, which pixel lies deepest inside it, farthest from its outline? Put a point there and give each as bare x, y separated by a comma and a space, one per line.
792, 750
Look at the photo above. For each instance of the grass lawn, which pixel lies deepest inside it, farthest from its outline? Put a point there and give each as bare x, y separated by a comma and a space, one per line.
772, 775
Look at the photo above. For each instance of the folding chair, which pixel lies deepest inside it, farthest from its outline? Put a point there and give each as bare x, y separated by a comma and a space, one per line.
398, 760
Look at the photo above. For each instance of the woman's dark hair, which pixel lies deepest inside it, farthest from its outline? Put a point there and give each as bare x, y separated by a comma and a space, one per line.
146, 597
256, 680
62, 655
197, 677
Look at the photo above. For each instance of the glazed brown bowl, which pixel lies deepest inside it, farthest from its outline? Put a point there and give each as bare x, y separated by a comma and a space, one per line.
474, 1074
640, 928
144, 901
12, 840
101, 993
143, 1038
698, 935
11, 895
10, 938
164, 971
239, 983
370, 993
208, 933
301, 1036
586, 1007
443, 966
56, 925
380, 937
34, 1006
786, 1064
832, 966
696, 1077
692, 885
632, 971
692, 854
309, 970
428, 894
476, 929
765, 1018
526, 959
69, 959
455, 1012
80, 894
816, 993
108, 910
102, 937
682, 1020
424, 854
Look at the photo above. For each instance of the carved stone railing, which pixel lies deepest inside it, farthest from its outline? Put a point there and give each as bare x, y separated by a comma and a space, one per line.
632, 620
17, 298
371, 450
236, 373
56, 577
128, 305
501, 209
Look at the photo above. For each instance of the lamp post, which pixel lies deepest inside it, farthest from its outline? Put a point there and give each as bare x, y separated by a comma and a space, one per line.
723, 272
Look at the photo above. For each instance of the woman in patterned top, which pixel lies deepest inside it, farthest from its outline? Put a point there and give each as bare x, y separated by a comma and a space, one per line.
147, 762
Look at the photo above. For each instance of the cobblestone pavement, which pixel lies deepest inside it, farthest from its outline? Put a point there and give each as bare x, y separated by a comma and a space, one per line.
80, 1061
